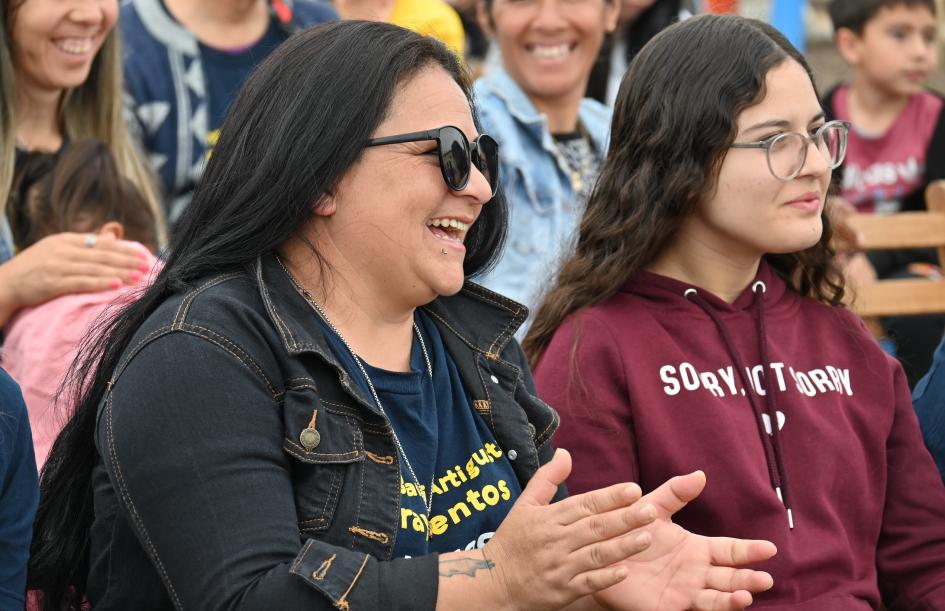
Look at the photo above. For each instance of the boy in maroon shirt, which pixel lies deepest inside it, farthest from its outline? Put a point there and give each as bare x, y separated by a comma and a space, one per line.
896, 145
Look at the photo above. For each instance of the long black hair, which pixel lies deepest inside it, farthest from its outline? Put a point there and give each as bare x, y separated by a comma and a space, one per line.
674, 120
295, 129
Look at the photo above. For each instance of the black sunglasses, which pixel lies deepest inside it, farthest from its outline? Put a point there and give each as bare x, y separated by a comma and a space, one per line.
457, 155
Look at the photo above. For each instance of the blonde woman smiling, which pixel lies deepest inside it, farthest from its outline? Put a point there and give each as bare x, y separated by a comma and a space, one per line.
60, 71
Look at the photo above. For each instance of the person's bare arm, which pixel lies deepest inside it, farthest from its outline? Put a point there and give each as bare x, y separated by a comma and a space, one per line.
61, 264
546, 556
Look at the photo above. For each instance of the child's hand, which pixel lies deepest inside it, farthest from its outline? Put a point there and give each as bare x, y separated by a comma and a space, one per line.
67, 263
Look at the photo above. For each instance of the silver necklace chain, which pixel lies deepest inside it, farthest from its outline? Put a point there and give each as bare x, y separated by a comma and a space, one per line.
428, 504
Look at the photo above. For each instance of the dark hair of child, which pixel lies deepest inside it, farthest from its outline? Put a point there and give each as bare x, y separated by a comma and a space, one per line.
854, 14
79, 189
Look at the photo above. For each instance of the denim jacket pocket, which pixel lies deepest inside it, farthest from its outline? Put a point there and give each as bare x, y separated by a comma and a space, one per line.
526, 185
322, 459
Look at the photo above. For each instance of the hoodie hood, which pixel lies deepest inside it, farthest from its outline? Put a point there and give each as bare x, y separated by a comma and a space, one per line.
669, 294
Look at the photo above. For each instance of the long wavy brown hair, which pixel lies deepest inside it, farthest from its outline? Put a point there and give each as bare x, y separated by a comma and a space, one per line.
674, 120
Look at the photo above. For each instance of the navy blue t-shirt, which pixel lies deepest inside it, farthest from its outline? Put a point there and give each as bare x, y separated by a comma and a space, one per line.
448, 445
19, 493
225, 71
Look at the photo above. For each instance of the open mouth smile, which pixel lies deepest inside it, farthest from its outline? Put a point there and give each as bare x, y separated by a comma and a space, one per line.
74, 46
556, 52
449, 229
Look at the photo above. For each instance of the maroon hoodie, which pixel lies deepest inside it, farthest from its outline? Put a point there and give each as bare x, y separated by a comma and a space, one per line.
667, 378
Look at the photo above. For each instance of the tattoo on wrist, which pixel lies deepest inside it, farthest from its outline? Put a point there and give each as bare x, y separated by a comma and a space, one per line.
464, 566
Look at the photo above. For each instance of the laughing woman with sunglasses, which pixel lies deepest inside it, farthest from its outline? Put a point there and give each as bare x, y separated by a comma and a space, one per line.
312, 409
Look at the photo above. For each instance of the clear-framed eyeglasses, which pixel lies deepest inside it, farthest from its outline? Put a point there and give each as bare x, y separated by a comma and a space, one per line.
787, 152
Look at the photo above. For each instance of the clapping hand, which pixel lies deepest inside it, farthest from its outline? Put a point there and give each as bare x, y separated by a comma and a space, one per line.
623, 549
682, 570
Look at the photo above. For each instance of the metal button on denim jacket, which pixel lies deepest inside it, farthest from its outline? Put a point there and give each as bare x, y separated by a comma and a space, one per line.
225, 503
536, 182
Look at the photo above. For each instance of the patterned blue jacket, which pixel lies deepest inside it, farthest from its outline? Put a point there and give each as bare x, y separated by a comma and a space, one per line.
167, 97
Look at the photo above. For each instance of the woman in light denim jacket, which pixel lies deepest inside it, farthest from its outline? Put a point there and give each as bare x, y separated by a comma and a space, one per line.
527, 105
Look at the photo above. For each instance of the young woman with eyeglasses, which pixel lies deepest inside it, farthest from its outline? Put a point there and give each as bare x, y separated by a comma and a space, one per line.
312, 409
699, 324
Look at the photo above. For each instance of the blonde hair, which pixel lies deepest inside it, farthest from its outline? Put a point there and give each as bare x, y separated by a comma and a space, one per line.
94, 109
7, 104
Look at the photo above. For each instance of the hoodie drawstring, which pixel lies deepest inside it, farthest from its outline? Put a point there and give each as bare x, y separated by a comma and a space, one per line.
771, 443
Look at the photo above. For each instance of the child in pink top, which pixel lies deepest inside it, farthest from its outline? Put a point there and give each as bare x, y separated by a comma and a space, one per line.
78, 190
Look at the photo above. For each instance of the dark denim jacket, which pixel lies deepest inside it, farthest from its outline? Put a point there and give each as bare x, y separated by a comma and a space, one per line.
206, 499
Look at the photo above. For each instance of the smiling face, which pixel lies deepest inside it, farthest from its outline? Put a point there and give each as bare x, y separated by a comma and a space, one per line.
752, 213
896, 51
392, 220
549, 46
55, 41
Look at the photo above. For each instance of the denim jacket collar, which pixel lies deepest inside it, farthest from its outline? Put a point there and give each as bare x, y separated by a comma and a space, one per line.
483, 320
346, 488
519, 106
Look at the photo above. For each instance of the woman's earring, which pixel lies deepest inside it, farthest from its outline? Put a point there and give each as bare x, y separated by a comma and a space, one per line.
443, 251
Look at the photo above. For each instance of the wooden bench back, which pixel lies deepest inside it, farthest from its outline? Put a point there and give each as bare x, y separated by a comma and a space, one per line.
897, 231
